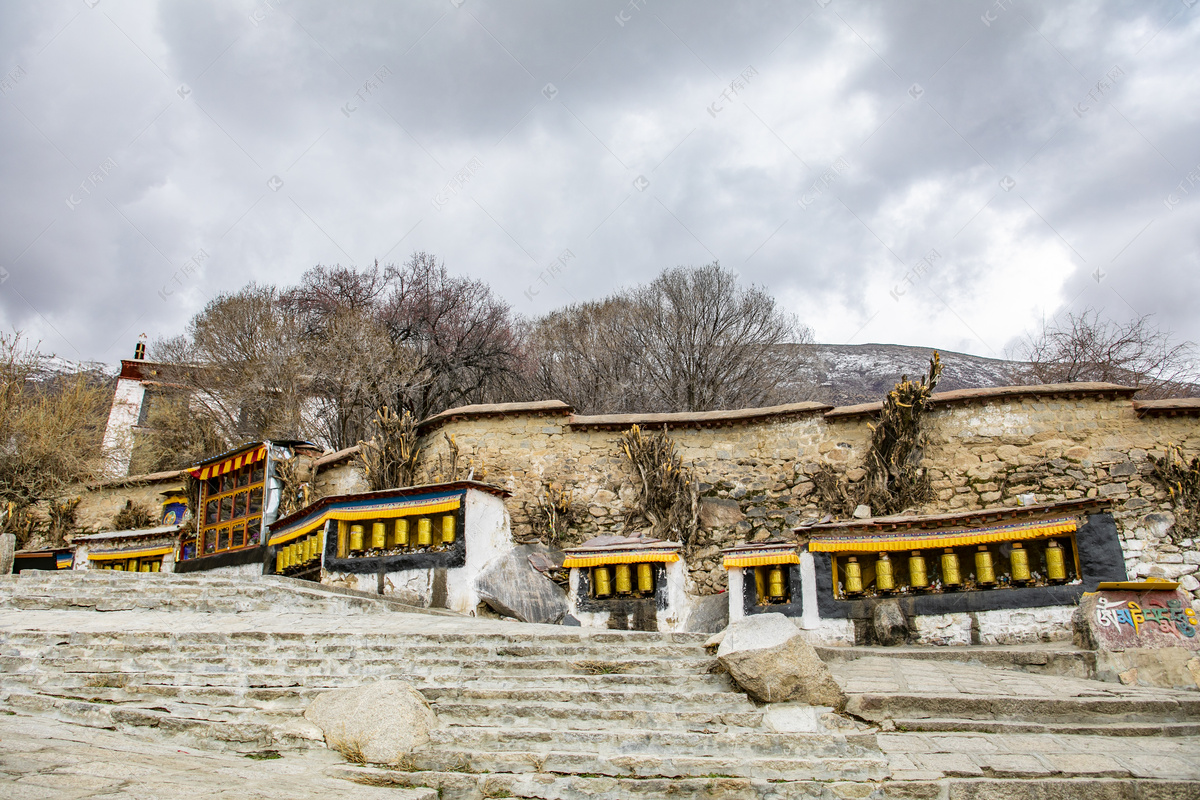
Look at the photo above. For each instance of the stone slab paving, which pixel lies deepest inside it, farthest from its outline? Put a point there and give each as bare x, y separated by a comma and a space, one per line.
43, 759
930, 756
878, 675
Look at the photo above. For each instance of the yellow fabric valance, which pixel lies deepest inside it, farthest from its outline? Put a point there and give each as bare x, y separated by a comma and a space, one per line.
152, 551
760, 559
372, 513
892, 541
602, 559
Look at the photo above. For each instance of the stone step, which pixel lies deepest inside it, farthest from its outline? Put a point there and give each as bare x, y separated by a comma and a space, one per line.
91, 674
453, 785
246, 735
1144, 708
1130, 729
717, 702
1064, 660
645, 765
431, 661
632, 741
573, 716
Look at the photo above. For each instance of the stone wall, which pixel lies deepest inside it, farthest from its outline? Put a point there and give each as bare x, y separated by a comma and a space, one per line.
987, 448
100, 503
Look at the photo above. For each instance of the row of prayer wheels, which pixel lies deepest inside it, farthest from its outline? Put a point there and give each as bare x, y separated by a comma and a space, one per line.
402, 534
298, 553
133, 566
604, 578
951, 570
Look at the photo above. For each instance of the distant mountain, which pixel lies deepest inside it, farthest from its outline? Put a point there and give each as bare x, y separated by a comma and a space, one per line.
845, 374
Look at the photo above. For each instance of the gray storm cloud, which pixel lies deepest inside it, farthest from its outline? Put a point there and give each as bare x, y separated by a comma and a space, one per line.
936, 173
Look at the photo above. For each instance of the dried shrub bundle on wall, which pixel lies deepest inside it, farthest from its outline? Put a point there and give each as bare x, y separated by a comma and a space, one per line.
389, 459
552, 514
894, 479
132, 517
1181, 479
668, 496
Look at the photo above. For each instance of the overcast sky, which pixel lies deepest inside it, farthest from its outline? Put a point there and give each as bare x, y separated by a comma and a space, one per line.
937, 173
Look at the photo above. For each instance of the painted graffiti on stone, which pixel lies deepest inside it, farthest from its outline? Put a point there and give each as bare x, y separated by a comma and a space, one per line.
1155, 618
1171, 618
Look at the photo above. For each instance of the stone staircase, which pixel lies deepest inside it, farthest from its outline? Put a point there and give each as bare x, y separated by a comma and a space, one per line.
536, 711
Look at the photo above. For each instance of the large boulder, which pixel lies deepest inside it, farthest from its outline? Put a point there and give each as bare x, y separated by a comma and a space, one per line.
768, 657
512, 587
710, 614
716, 512
889, 622
377, 723
8, 546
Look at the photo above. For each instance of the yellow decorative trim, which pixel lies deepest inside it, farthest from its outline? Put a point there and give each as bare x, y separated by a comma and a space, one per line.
920, 542
1148, 585
761, 561
619, 558
153, 551
369, 513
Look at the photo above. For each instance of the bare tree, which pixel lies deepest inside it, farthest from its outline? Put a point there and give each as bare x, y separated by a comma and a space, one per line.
51, 433
462, 336
690, 340
1089, 347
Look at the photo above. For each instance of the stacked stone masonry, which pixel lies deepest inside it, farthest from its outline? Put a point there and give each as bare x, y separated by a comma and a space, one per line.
985, 451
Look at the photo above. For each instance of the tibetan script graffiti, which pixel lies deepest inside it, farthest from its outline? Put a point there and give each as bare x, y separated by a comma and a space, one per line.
1172, 618
1123, 619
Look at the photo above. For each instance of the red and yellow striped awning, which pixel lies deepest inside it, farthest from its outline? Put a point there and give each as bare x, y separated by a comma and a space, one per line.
229, 464
378, 511
877, 541
601, 559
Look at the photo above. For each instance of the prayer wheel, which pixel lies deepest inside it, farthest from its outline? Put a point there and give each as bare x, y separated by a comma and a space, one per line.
132, 565
314, 547
918, 576
775, 587
1020, 563
1056, 562
624, 579
602, 582
294, 554
853, 572
885, 579
119, 566
951, 576
645, 575
356, 537
448, 523
985, 571
424, 532
145, 567
400, 536
155, 566
279, 559
379, 535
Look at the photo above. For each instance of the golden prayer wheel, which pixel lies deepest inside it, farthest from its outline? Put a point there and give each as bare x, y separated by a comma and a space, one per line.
602, 582
645, 575
918, 576
951, 576
624, 579
132, 565
155, 566
119, 566
145, 567
1056, 562
853, 572
279, 559
885, 580
448, 523
294, 554
356, 537
775, 589
313, 546
400, 537
1020, 562
424, 532
985, 571
379, 535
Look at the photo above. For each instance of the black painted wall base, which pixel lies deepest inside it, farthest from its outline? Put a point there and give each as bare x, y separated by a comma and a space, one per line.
751, 605
234, 558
